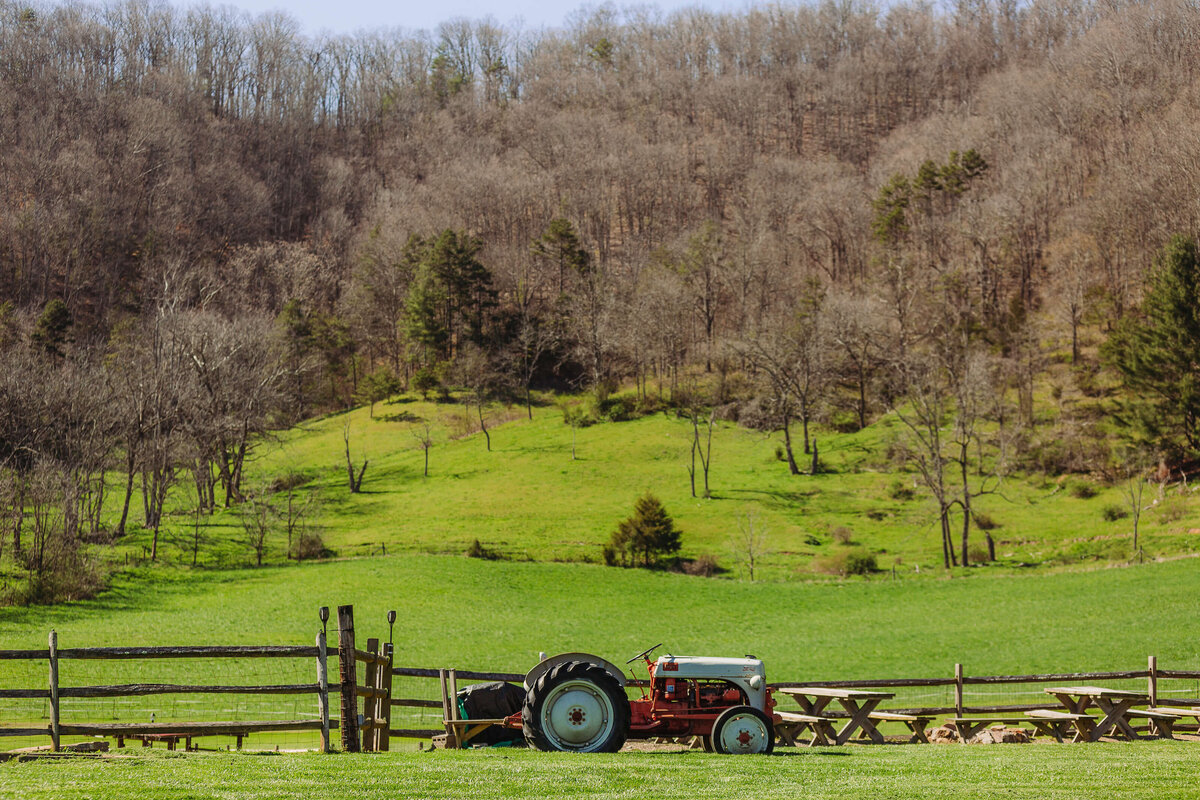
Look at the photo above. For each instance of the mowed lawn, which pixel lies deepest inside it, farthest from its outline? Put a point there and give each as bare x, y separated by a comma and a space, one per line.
1151, 770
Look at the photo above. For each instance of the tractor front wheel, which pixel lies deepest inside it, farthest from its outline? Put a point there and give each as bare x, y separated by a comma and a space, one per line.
577, 707
743, 729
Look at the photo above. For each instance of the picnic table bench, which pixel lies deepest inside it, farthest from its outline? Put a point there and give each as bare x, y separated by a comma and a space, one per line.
792, 725
859, 706
915, 723
1056, 723
1115, 705
1161, 722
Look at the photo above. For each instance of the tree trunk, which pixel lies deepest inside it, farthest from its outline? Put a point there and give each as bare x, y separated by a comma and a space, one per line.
966, 505
787, 447
483, 427
862, 399
19, 514
947, 548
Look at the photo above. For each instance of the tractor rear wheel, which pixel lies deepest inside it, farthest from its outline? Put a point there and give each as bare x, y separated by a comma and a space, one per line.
577, 707
743, 729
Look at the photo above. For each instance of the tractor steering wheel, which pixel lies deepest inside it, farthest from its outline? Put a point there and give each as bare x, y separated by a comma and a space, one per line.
644, 653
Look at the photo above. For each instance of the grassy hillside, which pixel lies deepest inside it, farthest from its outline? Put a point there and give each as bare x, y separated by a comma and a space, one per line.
529, 499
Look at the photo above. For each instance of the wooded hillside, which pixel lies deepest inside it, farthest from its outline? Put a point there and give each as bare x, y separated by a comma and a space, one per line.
211, 225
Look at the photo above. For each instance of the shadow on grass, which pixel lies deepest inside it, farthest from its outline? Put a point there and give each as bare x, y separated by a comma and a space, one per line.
402, 416
776, 496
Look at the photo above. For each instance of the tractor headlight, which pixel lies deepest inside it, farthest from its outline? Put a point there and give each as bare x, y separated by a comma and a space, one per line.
756, 682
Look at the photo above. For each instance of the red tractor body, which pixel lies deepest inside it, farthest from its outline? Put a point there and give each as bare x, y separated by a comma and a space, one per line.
578, 702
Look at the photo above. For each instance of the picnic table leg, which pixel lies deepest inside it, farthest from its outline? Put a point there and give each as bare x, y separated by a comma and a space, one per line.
785, 733
1074, 706
966, 730
917, 726
1049, 728
1163, 728
823, 734
1083, 730
859, 719
1114, 715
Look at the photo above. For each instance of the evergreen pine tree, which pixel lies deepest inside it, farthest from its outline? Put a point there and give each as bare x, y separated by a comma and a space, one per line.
1156, 351
53, 329
647, 536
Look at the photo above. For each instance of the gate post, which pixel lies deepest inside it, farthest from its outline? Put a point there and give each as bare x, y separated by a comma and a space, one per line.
349, 680
323, 690
54, 738
958, 689
385, 733
370, 735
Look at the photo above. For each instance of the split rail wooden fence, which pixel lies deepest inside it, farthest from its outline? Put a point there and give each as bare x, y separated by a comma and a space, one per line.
369, 727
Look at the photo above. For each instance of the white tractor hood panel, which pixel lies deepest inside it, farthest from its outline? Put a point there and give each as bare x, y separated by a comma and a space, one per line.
707, 667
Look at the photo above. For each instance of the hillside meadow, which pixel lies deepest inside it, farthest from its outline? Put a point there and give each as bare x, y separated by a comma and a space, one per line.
528, 498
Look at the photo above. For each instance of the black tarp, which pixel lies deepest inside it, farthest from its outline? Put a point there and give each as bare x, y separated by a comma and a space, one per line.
492, 701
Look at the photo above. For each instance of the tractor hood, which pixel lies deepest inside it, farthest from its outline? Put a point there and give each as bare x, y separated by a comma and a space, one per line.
707, 667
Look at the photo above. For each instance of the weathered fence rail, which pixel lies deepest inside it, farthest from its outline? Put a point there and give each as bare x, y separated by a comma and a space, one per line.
56, 693
364, 717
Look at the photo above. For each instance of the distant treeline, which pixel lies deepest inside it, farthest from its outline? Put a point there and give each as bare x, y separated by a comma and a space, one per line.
212, 225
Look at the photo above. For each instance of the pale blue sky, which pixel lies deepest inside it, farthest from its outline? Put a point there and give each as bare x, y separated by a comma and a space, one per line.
348, 16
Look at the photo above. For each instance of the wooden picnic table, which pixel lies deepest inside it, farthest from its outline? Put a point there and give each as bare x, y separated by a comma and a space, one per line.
858, 704
1113, 703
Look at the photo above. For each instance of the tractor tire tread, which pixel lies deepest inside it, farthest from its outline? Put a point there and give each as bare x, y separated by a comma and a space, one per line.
536, 738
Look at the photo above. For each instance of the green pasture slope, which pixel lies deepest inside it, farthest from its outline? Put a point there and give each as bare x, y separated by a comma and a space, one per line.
528, 499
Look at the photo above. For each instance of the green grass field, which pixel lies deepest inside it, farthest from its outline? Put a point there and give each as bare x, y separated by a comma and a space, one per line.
485, 615
528, 499
1043, 608
1151, 770
457, 611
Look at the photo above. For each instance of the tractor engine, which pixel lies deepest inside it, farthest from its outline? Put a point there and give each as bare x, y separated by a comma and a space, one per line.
707, 683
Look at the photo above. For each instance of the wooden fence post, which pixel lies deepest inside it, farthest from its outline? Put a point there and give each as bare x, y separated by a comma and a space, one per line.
958, 689
1152, 681
447, 715
349, 680
323, 692
385, 733
54, 738
371, 705
453, 677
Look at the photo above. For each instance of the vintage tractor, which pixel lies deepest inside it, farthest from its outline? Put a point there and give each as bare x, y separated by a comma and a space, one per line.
577, 702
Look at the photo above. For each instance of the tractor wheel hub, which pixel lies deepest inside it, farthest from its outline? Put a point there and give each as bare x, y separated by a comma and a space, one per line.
577, 715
